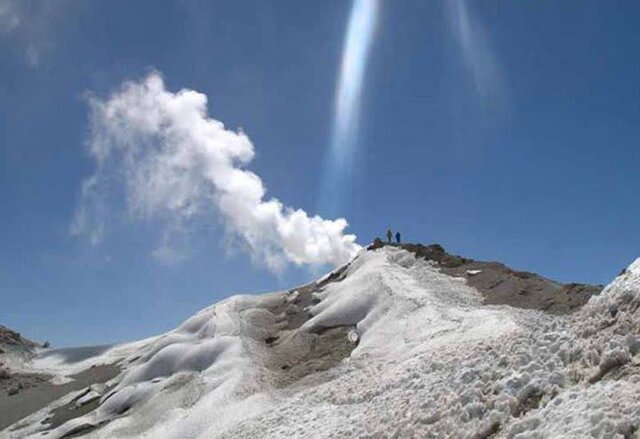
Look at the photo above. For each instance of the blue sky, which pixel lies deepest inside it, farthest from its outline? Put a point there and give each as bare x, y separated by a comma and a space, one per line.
502, 130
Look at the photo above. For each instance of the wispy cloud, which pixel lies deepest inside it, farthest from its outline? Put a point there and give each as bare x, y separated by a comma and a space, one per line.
9, 18
31, 25
479, 57
178, 165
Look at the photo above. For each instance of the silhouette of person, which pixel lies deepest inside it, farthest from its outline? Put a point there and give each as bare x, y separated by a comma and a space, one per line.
389, 235
398, 237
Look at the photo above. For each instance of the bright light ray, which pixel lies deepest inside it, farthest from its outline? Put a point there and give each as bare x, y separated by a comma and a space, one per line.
344, 137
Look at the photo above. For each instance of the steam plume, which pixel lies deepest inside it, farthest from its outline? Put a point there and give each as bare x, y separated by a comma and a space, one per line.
176, 164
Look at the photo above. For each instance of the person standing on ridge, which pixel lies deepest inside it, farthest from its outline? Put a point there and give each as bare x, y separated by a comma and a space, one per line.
389, 235
398, 237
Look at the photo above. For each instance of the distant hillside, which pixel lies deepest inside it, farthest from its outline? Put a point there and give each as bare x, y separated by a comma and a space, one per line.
10, 339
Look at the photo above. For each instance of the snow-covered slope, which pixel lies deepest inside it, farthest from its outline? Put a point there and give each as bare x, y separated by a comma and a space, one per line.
390, 347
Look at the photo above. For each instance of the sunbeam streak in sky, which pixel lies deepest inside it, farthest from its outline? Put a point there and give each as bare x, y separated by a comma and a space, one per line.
344, 136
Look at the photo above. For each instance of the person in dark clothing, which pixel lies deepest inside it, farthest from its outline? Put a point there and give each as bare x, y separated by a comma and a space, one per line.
398, 237
389, 235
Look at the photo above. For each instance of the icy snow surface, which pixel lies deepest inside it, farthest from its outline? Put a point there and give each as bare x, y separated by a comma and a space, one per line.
431, 361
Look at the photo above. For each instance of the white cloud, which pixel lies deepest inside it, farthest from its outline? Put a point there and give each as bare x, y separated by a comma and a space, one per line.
478, 55
176, 164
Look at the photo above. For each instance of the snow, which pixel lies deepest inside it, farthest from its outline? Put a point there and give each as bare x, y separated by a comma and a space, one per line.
90, 396
399, 304
430, 360
65, 362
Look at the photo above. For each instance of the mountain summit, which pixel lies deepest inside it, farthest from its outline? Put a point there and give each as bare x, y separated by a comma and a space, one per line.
404, 341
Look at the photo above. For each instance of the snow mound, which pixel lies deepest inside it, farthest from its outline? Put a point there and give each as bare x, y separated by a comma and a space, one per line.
399, 304
429, 359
